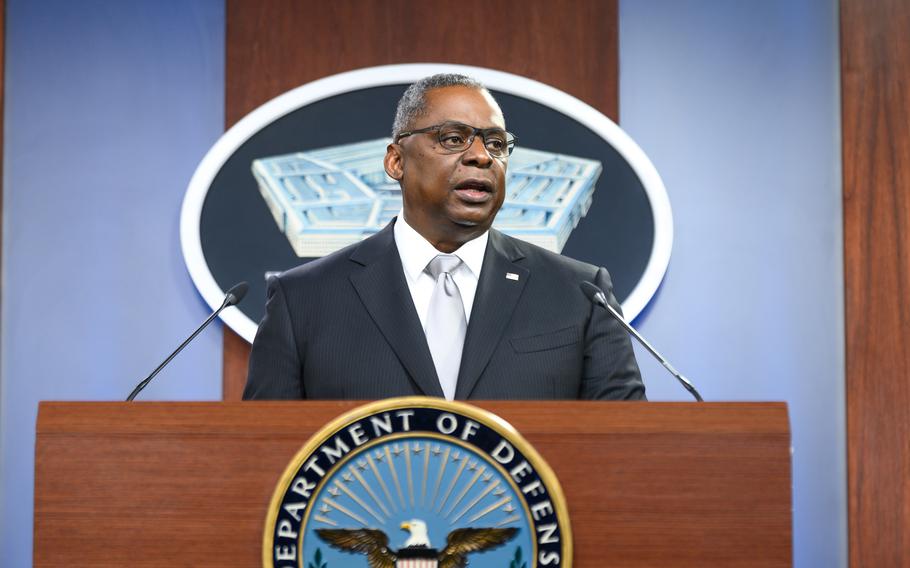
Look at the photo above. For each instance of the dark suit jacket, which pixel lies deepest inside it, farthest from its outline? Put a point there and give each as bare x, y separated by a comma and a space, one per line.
345, 327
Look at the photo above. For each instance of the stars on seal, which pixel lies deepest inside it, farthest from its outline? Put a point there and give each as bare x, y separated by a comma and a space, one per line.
417, 448
378, 456
347, 477
436, 451
396, 450
334, 491
362, 465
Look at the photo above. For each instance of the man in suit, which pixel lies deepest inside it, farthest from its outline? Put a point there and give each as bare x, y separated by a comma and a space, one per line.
438, 303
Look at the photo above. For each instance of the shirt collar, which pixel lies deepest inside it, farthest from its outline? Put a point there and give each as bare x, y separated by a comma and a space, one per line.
416, 252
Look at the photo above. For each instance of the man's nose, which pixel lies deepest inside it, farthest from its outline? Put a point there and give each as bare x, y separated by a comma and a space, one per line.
476, 154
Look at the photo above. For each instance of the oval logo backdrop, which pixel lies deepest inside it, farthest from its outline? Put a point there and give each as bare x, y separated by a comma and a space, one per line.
301, 176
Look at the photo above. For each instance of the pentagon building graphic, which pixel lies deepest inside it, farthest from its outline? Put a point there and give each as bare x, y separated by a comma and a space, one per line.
329, 198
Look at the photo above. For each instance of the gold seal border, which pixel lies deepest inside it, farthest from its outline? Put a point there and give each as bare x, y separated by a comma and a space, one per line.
485, 417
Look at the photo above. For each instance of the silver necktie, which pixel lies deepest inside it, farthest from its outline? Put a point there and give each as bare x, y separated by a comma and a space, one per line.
446, 323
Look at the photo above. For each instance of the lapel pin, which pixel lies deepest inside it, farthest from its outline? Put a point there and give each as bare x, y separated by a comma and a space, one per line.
511, 276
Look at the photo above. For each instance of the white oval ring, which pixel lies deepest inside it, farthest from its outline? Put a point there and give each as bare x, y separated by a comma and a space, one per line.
401, 74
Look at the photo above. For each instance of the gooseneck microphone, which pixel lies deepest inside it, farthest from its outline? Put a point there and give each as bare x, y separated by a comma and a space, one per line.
232, 298
597, 296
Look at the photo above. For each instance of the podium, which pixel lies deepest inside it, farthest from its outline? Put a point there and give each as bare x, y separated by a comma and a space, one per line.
189, 484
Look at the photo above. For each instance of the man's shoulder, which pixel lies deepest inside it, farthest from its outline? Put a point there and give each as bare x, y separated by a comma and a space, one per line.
337, 264
535, 256
319, 267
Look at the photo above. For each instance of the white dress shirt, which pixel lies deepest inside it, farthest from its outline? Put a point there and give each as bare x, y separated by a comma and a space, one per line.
416, 252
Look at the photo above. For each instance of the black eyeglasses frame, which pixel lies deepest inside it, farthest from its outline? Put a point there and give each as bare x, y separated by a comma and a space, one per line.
510, 138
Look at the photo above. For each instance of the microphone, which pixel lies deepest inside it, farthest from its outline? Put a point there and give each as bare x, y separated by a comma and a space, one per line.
597, 296
232, 298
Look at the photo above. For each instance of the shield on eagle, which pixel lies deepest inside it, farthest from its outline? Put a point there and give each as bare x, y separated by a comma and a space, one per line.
417, 558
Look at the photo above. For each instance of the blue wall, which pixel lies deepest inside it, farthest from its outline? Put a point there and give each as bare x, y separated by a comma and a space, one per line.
110, 105
737, 105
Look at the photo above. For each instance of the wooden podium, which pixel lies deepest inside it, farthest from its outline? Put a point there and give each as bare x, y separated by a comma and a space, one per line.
188, 484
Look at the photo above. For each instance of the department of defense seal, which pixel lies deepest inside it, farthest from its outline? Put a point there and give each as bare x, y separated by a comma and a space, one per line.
417, 483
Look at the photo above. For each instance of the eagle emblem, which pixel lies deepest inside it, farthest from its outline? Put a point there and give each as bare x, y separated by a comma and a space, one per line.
417, 550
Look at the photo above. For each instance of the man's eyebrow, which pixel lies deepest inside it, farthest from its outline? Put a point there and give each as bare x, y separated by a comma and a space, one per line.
472, 126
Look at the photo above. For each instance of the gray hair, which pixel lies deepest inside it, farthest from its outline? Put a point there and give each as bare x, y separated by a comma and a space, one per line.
413, 103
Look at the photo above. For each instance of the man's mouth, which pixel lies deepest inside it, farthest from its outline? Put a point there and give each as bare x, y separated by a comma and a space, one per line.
474, 190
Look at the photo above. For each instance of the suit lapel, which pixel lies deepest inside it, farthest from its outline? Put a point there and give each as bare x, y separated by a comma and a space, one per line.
496, 298
385, 294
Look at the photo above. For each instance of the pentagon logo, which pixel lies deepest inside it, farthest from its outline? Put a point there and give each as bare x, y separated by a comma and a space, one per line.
329, 198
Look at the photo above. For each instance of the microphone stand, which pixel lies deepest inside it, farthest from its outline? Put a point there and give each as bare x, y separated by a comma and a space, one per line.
233, 297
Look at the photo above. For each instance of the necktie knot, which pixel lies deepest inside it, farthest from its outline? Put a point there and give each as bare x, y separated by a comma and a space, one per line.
442, 264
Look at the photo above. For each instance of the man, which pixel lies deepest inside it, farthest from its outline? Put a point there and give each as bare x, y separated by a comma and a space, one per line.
438, 303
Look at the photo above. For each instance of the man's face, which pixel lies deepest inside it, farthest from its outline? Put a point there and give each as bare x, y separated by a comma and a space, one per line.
450, 198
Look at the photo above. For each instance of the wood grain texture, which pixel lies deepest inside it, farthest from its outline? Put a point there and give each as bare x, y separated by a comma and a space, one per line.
650, 484
278, 45
236, 360
875, 76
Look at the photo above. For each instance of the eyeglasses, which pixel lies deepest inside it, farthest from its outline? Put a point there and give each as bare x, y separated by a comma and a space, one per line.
458, 137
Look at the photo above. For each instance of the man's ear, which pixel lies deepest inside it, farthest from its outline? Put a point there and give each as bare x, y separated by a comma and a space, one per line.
394, 162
